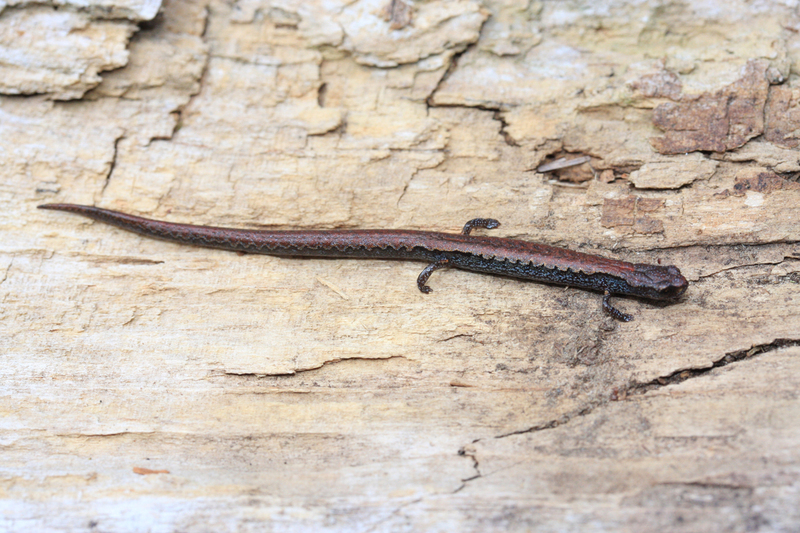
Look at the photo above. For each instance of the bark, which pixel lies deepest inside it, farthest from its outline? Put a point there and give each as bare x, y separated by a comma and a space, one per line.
152, 386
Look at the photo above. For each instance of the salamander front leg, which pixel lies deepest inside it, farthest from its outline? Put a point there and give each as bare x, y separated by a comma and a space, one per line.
426, 273
613, 311
488, 223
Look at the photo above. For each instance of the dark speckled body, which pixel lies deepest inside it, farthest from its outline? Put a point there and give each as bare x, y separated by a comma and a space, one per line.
490, 255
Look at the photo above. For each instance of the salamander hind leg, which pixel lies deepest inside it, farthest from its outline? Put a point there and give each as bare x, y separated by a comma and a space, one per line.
613, 311
488, 223
426, 273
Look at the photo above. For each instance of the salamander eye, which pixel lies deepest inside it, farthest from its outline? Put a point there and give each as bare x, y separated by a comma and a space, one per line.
673, 291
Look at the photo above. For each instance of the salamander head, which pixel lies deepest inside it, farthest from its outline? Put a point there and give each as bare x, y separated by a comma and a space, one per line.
658, 282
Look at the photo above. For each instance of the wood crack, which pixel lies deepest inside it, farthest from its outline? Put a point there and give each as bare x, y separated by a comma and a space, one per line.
636, 389
312, 368
468, 451
679, 376
113, 163
785, 259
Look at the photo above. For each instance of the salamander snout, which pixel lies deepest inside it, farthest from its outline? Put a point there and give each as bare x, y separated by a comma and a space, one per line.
658, 282
676, 283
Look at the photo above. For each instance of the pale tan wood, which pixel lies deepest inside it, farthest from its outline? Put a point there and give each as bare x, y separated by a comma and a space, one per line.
151, 386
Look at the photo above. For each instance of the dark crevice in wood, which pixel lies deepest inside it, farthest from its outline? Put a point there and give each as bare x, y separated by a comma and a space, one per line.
679, 376
638, 389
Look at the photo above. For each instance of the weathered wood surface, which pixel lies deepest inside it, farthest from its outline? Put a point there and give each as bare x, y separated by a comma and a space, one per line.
153, 387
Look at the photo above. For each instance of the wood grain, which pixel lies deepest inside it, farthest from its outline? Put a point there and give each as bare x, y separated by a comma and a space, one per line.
291, 395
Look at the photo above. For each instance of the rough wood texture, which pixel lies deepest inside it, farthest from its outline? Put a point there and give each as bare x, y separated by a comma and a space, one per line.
152, 387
